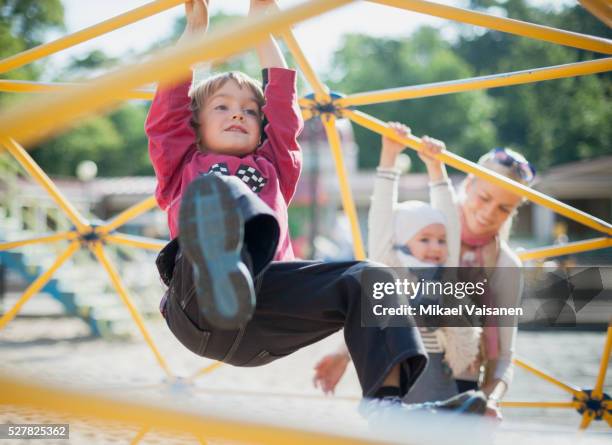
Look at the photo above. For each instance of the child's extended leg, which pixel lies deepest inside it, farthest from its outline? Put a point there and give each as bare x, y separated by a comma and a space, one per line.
212, 229
298, 302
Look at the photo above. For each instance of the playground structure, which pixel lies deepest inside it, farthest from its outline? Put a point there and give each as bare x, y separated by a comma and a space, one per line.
79, 100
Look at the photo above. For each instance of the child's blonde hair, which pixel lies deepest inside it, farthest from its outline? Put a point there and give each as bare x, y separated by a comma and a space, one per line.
204, 90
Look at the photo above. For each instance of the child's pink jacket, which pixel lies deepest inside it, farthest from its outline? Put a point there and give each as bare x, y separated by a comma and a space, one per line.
272, 171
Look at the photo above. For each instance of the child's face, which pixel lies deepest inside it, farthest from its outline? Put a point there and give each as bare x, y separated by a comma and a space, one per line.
230, 121
429, 244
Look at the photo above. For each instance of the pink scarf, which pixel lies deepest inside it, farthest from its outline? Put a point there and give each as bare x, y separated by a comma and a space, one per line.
472, 255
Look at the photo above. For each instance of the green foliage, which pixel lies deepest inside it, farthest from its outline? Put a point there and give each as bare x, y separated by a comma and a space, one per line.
23, 24
463, 121
551, 122
116, 143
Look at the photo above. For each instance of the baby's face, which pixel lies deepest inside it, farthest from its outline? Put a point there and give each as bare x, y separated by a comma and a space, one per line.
429, 244
231, 121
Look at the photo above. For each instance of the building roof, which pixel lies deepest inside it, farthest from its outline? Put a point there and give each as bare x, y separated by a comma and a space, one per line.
575, 180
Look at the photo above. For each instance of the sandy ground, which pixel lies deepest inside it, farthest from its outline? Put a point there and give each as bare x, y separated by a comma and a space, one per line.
59, 351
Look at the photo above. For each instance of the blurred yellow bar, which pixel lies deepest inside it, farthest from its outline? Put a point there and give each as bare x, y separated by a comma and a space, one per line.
587, 418
136, 241
22, 393
128, 214
26, 86
320, 90
46, 49
98, 251
56, 112
466, 166
603, 367
26, 161
206, 370
572, 390
511, 26
37, 285
602, 9
329, 122
41, 239
477, 83
570, 405
565, 249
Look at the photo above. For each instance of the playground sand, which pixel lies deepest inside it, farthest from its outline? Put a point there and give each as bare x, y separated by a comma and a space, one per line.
59, 351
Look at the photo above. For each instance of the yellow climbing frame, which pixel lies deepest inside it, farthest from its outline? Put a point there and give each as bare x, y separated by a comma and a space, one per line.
78, 100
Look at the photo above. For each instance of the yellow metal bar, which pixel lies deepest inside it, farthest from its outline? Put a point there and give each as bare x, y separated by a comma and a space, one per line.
608, 418
136, 241
167, 66
141, 434
206, 370
26, 161
320, 90
304, 102
603, 367
98, 251
470, 167
478, 83
511, 26
510, 404
41, 239
128, 214
329, 122
46, 49
23, 393
587, 418
602, 9
38, 284
26, 86
565, 249
577, 392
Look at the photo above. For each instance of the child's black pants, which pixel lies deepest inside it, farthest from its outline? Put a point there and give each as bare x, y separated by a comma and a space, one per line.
298, 303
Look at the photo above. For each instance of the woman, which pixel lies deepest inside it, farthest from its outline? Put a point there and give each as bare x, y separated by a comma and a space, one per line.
486, 212
485, 217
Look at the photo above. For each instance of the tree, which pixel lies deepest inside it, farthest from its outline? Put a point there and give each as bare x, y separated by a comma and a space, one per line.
115, 142
551, 122
23, 24
365, 63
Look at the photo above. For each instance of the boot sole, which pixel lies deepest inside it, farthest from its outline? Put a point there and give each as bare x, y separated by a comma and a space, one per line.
211, 236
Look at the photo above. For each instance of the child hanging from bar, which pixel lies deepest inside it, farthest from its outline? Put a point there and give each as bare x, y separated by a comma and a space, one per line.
227, 161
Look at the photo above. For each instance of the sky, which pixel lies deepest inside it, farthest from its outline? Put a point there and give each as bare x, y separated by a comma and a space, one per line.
318, 37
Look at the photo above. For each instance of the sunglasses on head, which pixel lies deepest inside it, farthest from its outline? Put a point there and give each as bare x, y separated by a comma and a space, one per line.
512, 160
